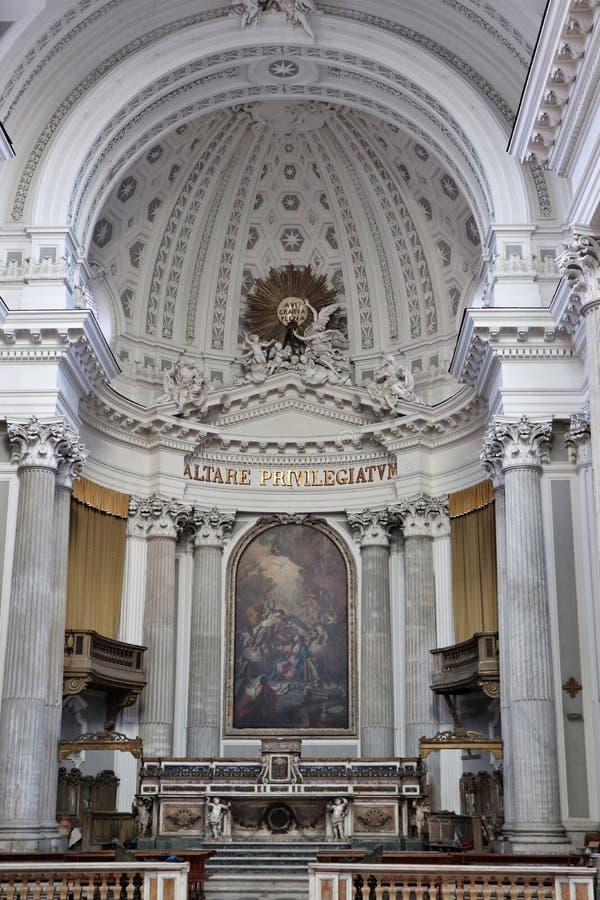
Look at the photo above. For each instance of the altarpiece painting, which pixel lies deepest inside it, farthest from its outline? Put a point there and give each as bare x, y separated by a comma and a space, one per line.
291, 633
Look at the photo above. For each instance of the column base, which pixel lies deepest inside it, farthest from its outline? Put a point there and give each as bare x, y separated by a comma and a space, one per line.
203, 741
31, 837
377, 741
535, 838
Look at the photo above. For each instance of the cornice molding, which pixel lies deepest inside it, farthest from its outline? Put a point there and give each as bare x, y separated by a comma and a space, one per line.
490, 335
71, 338
564, 68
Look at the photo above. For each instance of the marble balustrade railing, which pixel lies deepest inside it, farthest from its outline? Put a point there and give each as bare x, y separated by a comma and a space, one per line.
330, 881
93, 881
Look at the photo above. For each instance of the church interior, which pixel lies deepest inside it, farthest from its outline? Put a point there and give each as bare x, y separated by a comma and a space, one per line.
299, 396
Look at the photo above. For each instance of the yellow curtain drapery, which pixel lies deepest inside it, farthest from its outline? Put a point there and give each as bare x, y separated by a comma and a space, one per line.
474, 579
96, 558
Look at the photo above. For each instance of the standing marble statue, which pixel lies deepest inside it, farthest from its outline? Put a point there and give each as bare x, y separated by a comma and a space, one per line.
337, 811
421, 817
216, 810
142, 814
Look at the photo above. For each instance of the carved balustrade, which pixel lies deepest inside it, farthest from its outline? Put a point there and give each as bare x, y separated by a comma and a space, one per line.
88, 881
461, 882
469, 666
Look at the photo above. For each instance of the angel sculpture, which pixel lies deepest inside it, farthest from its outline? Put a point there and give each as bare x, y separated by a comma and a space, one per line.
297, 12
323, 344
255, 358
248, 9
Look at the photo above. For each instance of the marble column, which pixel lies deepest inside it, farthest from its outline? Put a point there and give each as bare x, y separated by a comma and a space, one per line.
420, 519
371, 531
185, 587
492, 461
530, 745
70, 465
131, 631
578, 440
32, 658
165, 520
211, 530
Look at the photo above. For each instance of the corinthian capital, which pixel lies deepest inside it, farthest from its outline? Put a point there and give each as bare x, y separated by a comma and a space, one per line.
492, 457
211, 527
423, 516
157, 517
578, 437
371, 527
580, 264
45, 444
72, 459
522, 443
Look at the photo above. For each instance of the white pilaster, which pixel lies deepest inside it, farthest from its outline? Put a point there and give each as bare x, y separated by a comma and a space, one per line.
450, 760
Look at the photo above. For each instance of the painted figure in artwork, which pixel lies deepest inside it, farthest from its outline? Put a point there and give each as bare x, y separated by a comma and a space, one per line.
290, 667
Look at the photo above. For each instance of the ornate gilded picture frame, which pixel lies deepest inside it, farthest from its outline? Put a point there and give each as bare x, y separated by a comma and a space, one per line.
291, 643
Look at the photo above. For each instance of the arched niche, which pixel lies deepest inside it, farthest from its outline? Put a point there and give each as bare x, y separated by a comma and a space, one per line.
291, 632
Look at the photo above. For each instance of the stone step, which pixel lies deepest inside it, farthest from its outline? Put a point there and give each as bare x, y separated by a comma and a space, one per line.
232, 886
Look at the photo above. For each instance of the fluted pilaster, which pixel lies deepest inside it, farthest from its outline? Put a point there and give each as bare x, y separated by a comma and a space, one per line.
371, 532
578, 441
450, 762
530, 745
165, 519
31, 660
131, 630
212, 528
580, 264
492, 461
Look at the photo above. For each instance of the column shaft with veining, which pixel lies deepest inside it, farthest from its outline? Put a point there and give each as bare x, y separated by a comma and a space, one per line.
530, 741
33, 618
205, 682
70, 464
158, 698
371, 529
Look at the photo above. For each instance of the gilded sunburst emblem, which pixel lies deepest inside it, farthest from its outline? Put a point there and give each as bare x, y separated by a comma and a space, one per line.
284, 301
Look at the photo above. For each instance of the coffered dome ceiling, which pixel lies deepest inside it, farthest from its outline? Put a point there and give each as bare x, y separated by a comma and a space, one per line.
190, 155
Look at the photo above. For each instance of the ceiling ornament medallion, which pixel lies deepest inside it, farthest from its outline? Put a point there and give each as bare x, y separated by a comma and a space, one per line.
280, 304
288, 313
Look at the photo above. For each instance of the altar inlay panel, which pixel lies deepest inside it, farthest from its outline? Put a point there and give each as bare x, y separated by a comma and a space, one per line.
291, 633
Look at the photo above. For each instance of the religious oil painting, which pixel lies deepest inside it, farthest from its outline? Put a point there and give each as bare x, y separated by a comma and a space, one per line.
291, 634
